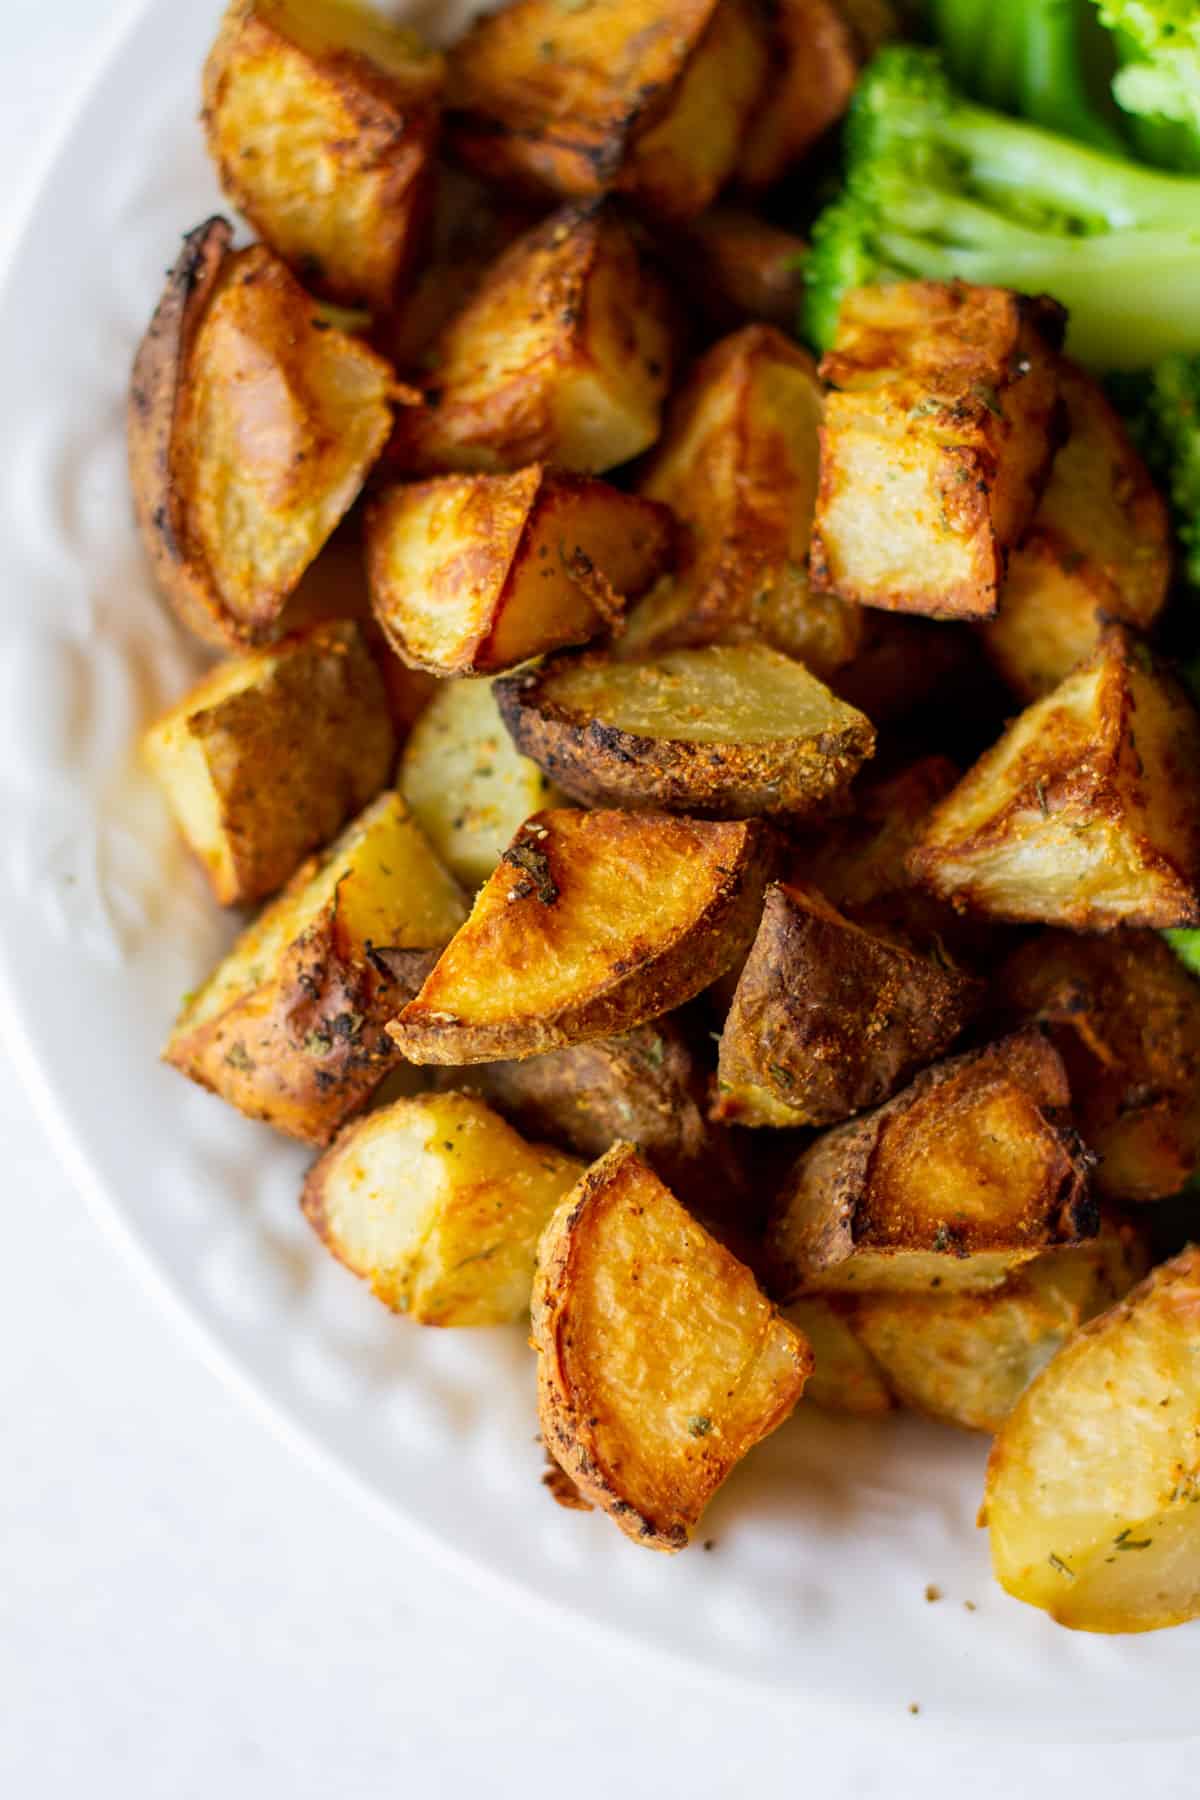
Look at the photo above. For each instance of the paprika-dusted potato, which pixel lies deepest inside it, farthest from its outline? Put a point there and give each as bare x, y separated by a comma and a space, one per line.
660, 1363
1094, 1476
289, 1028
938, 437
1086, 813
845, 1377
322, 118
270, 754
965, 1175
737, 268
726, 730
815, 62
252, 425
828, 1018
439, 1205
594, 922
471, 574
562, 354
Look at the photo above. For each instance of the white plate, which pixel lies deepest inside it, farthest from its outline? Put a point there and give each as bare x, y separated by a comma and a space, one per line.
824, 1542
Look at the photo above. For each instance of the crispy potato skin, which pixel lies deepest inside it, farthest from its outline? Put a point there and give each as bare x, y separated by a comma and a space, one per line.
660, 1364
740, 269
967, 1173
938, 437
592, 923
815, 64
828, 1019
1125, 1017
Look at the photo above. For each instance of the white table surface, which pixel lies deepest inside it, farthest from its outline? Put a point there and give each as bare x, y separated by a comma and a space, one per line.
187, 1609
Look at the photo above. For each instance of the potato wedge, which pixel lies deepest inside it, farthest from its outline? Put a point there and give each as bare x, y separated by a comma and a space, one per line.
1094, 1475
562, 353
1125, 1017
828, 1018
1099, 548
815, 62
252, 426
727, 730
1085, 814
439, 1205
467, 787
471, 574
321, 118
844, 1376
660, 1364
937, 441
967, 1174
593, 923
739, 269
289, 1028
270, 754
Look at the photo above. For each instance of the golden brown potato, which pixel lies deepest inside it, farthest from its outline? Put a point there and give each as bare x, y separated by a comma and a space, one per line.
468, 788
322, 119
844, 1377
815, 64
290, 1026
828, 1018
937, 441
738, 466
1093, 1477
270, 754
471, 574
737, 268
439, 1205
594, 922
1125, 1017
660, 1364
1085, 813
967, 1174
727, 730
252, 426
1099, 548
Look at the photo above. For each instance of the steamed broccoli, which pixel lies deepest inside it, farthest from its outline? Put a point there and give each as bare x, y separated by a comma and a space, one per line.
1167, 428
939, 187
1158, 84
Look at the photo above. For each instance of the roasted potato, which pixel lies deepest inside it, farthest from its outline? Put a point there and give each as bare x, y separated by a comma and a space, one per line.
828, 1018
967, 1174
594, 922
252, 426
738, 466
471, 574
562, 353
660, 1364
1085, 814
290, 1026
903, 665
467, 787
1094, 1475
1125, 1016
815, 63
1099, 548
737, 268
844, 1376
270, 754
937, 440
321, 118
727, 730
439, 1205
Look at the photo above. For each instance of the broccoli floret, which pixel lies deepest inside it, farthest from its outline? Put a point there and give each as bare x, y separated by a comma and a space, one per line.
1186, 945
939, 187
1158, 45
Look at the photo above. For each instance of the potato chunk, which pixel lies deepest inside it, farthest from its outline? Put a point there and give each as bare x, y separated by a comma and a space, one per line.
471, 574
322, 120
439, 1205
815, 64
729, 730
593, 923
268, 756
964, 1176
1125, 1016
252, 426
467, 787
290, 1026
1085, 813
739, 269
828, 1018
1098, 549
845, 1377
1093, 1477
562, 353
937, 441
660, 1364
737, 465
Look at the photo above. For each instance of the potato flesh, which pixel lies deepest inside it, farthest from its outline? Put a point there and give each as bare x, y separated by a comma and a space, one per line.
844, 1376
815, 66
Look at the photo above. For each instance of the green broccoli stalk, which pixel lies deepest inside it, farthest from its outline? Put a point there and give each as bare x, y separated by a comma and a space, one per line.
938, 187
1158, 83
